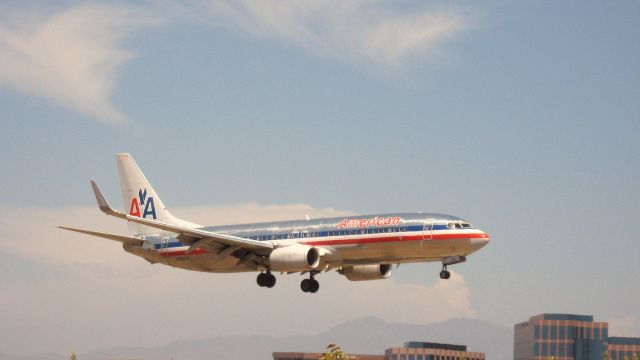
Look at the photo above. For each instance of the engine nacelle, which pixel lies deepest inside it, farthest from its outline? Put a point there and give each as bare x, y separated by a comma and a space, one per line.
367, 272
294, 258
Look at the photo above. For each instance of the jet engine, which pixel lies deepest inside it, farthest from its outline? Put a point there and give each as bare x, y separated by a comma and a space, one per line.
294, 258
366, 272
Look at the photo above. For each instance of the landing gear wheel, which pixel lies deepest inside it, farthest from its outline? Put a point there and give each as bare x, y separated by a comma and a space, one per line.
266, 280
271, 280
306, 285
315, 285
262, 279
445, 274
310, 285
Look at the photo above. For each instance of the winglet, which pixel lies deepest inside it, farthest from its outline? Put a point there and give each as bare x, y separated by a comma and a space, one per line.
102, 201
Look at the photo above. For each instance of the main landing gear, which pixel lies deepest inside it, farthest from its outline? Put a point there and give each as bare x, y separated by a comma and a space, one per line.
310, 285
266, 279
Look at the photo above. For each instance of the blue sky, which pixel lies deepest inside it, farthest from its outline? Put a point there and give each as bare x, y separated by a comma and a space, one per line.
521, 117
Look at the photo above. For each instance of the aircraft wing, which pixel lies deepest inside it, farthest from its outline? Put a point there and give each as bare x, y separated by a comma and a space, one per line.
190, 235
121, 238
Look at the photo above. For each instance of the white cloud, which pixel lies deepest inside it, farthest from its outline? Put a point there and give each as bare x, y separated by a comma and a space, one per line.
362, 31
70, 57
92, 280
628, 325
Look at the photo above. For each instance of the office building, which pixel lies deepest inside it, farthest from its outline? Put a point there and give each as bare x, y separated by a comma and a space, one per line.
412, 350
623, 348
315, 356
570, 337
416, 350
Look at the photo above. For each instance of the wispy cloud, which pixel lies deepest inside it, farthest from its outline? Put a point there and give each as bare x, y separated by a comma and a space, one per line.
107, 287
362, 31
71, 56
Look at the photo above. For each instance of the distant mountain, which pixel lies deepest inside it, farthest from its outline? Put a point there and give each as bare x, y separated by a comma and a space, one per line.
365, 336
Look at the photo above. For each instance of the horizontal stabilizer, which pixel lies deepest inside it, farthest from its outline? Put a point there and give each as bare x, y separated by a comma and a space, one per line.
130, 240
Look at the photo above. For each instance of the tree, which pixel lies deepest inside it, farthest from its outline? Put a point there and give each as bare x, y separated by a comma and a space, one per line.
73, 356
333, 352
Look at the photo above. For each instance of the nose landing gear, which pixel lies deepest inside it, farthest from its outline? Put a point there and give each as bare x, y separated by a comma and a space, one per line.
445, 274
266, 279
310, 285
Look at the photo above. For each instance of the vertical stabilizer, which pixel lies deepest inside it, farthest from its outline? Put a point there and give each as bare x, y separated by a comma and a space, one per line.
140, 199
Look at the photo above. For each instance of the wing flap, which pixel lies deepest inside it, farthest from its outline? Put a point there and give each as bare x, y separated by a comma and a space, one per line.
115, 237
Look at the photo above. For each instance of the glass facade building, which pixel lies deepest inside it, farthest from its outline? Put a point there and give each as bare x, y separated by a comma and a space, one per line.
561, 337
623, 348
570, 337
417, 350
315, 356
412, 350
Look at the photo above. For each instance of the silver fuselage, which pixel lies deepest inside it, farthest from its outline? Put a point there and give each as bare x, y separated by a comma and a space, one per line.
343, 241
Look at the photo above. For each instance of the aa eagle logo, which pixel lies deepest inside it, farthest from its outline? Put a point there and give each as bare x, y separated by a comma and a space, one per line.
143, 202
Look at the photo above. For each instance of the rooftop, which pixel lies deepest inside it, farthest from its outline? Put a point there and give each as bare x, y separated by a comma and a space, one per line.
617, 340
430, 345
571, 317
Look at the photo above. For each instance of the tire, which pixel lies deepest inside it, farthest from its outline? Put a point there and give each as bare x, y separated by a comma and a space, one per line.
262, 279
271, 280
315, 286
306, 285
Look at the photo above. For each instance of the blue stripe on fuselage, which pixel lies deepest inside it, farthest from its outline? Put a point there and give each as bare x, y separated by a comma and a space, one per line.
288, 235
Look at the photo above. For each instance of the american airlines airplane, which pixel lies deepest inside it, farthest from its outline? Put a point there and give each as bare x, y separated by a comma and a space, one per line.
362, 247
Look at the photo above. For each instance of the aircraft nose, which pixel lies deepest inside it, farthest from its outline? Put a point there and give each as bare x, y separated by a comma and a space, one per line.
480, 241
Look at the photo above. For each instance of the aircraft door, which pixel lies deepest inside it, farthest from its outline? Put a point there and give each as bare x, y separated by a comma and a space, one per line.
427, 230
164, 243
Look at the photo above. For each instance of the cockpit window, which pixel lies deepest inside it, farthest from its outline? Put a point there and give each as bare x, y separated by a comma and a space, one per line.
466, 225
458, 226
450, 225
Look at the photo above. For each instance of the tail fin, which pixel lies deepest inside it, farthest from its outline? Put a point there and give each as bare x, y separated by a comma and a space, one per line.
140, 199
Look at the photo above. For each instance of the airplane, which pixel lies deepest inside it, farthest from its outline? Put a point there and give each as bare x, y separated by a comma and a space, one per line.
359, 247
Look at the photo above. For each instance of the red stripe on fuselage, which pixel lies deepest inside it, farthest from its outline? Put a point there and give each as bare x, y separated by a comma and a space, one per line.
387, 239
351, 241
